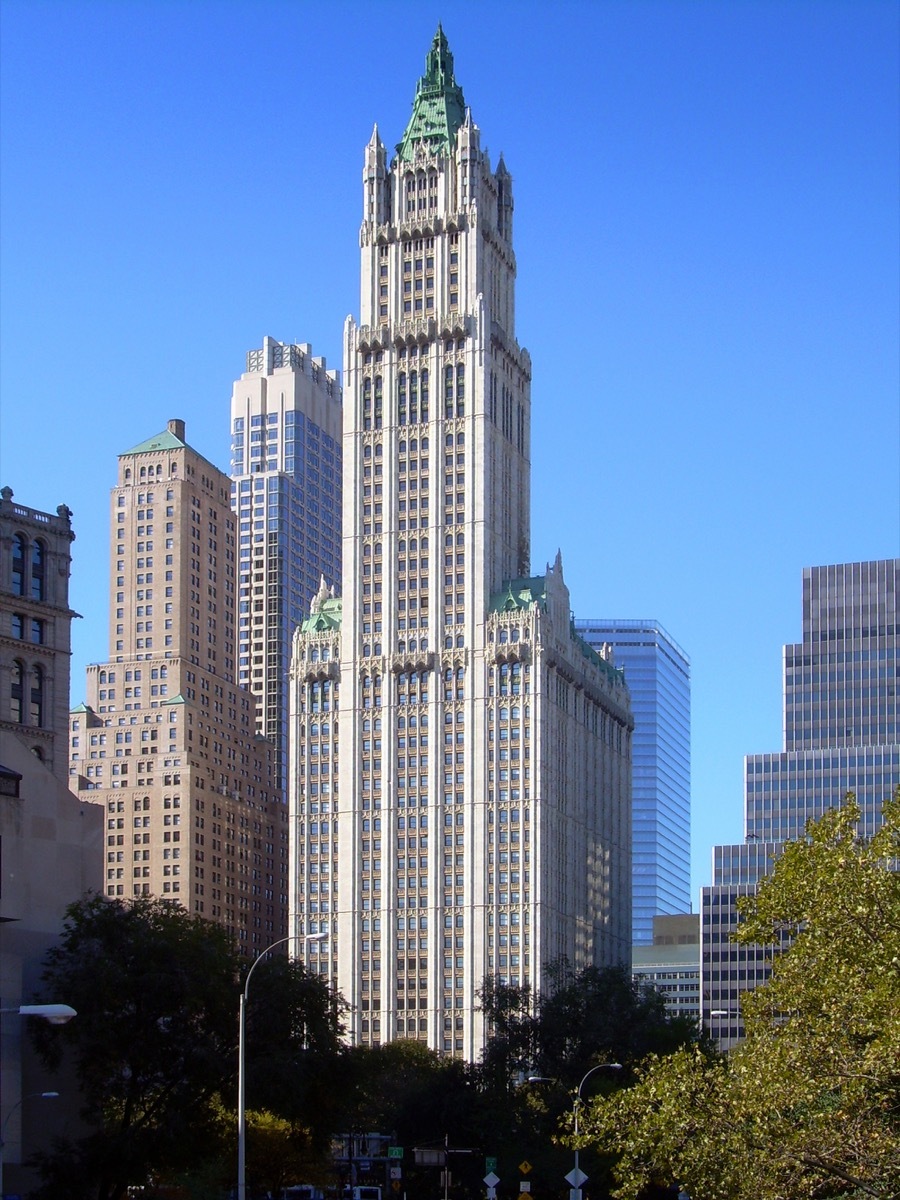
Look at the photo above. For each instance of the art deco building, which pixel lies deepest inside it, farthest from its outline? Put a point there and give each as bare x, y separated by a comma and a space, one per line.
286, 491
461, 759
167, 741
841, 734
658, 674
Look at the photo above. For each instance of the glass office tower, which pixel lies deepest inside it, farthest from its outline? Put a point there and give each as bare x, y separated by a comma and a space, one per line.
286, 491
841, 735
658, 674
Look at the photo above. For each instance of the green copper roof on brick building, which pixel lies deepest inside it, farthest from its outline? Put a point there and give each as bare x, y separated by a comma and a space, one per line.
163, 441
438, 108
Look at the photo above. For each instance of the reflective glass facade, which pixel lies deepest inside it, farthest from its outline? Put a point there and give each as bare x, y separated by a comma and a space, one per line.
286, 492
841, 735
658, 674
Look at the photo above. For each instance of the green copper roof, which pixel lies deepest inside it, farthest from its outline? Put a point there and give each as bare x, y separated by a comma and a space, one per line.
520, 593
163, 441
324, 619
439, 108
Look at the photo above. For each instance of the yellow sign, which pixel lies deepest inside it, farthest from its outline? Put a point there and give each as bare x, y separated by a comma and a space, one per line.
525, 1166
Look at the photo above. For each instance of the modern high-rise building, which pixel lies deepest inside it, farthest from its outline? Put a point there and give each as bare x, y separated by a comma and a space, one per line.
460, 779
167, 741
658, 674
286, 492
841, 734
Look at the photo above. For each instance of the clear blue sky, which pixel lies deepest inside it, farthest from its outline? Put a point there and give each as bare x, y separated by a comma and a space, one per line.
707, 237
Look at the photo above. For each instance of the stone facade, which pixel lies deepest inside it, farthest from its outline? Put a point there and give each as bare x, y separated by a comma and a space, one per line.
35, 627
460, 765
166, 741
51, 845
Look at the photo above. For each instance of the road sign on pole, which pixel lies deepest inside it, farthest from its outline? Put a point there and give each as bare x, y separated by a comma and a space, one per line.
490, 1163
395, 1152
576, 1177
492, 1179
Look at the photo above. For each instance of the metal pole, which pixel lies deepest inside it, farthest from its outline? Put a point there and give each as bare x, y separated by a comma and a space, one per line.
599, 1067
242, 1128
242, 1123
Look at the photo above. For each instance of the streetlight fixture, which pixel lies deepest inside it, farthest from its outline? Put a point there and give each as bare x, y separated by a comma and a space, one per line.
242, 1123
43, 1096
577, 1178
56, 1014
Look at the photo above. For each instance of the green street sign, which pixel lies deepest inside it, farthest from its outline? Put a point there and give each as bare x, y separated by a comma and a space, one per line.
490, 1164
395, 1151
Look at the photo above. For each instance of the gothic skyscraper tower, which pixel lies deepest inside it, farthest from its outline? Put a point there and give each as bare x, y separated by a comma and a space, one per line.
460, 776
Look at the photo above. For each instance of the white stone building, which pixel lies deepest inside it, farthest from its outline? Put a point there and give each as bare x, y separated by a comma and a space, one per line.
461, 759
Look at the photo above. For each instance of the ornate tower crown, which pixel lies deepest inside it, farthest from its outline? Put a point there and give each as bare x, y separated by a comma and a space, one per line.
438, 108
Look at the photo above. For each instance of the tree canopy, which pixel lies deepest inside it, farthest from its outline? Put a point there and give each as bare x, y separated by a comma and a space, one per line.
808, 1106
154, 1046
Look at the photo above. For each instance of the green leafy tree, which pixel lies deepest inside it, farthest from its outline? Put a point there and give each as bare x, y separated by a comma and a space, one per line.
581, 1018
808, 1106
154, 989
598, 1014
154, 1049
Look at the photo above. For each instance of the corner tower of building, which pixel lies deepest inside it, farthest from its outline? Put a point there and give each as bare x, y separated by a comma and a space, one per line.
460, 768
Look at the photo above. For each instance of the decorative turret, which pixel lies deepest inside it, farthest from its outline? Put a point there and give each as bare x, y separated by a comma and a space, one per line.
438, 108
375, 174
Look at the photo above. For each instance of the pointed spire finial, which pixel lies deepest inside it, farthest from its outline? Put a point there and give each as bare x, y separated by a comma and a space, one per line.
438, 107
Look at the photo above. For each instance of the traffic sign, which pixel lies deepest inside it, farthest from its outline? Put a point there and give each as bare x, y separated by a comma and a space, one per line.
492, 1179
395, 1152
524, 1166
492, 1193
396, 1172
490, 1163
524, 1185
576, 1177
395, 1184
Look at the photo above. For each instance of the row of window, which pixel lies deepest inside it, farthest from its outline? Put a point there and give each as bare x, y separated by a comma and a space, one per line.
28, 575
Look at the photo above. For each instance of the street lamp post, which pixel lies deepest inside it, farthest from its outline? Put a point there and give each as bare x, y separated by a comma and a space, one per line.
576, 1174
242, 1123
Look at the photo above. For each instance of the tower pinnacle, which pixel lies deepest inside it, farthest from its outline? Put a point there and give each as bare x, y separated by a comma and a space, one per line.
438, 108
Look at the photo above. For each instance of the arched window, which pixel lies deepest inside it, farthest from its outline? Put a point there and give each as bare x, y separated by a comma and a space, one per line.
16, 690
19, 552
423, 407
37, 696
414, 397
401, 399
38, 556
